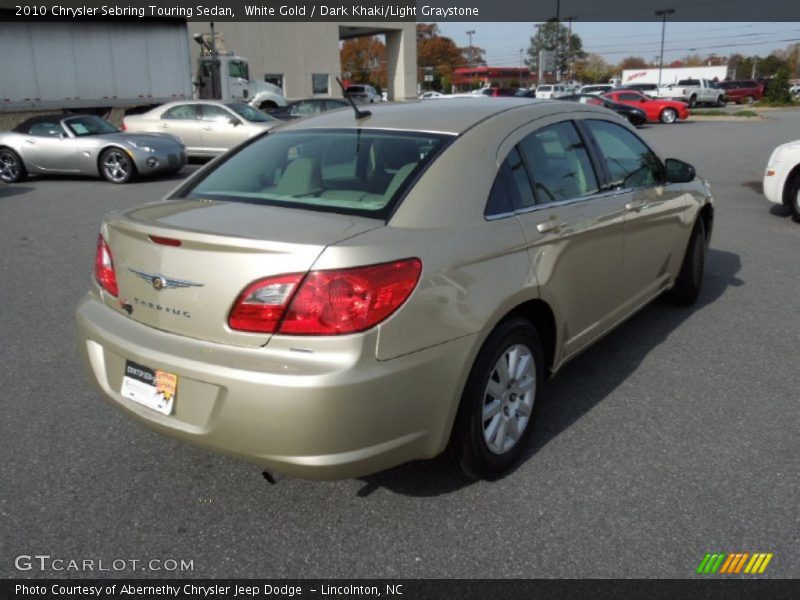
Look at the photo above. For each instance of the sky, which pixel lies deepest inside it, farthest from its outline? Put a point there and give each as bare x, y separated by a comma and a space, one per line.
615, 41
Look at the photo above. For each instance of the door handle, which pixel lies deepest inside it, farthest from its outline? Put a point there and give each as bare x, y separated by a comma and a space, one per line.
552, 224
635, 206
30, 141
164, 125
206, 128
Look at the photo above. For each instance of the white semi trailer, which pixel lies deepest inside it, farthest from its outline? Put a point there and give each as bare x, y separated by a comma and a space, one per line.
96, 66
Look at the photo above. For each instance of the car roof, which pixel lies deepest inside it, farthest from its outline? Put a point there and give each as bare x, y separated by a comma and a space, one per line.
450, 115
57, 117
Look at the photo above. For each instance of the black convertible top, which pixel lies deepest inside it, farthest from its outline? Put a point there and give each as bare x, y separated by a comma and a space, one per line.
26, 124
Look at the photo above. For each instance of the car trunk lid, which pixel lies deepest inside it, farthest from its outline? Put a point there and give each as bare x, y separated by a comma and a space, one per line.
181, 264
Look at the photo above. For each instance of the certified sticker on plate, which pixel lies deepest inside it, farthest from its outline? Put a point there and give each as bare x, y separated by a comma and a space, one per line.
153, 388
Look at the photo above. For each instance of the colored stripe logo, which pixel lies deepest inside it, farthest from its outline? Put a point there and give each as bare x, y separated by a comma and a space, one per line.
734, 563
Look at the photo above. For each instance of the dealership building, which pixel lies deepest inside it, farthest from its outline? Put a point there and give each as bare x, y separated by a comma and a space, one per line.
303, 58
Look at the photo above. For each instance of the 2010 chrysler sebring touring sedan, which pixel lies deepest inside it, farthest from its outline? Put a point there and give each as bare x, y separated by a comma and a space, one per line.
353, 291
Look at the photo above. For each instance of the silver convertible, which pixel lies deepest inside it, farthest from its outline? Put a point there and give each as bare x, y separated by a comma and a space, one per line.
85, 145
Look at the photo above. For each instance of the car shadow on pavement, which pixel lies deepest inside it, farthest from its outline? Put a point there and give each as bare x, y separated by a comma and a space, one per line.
579, 386
12, 189
779, 210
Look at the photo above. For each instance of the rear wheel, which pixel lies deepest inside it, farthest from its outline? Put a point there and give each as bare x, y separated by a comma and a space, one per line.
690, 278
668, 115
721, 101
748, 100
11, 168
498, 407
116, 166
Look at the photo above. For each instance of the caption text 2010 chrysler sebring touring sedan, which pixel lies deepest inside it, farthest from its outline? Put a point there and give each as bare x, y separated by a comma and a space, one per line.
353, 291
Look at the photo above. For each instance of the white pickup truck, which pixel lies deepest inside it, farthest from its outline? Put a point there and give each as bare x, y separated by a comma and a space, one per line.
693, 92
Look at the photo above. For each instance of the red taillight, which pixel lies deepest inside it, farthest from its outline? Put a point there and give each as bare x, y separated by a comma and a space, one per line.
332, 302
261, 305
123, 127
104, 267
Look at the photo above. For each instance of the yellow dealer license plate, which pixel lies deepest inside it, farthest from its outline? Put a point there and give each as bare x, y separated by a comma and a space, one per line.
152, 388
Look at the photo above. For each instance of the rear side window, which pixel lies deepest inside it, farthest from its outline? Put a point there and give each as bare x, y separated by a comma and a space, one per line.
346, 171
512, 187
46, 129
559, 163
631, 164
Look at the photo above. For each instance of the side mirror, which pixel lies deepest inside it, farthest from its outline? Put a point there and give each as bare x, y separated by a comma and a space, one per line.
234, 121
678, 171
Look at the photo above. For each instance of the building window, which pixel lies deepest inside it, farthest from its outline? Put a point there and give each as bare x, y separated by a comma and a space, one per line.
274, 79
319, 83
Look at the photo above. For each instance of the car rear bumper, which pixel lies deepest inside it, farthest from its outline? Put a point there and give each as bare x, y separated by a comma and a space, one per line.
321, 415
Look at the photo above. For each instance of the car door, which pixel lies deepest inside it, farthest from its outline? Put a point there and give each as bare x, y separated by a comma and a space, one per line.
183, 120
48, 147
655, 229
574, 231
221, 129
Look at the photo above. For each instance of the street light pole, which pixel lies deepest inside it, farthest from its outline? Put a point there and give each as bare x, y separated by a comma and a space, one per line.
569, 46
663, 14
519, 83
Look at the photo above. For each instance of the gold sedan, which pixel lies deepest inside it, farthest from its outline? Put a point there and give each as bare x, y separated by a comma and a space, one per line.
357, 290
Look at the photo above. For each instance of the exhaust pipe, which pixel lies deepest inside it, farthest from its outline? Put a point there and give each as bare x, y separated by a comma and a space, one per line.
271, 476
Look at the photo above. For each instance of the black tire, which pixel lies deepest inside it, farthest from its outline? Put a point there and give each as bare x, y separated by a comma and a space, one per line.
469, 448
692, 101
116, 166
12, 169
668, 116
721, 101
793, 199
690, 278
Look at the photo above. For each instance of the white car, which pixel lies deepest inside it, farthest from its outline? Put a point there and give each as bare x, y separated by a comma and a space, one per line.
551, 91
365, 94
795, 90
782, 177
596, 89
429, 95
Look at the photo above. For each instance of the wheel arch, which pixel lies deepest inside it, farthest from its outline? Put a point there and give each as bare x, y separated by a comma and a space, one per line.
541, 315
707, 215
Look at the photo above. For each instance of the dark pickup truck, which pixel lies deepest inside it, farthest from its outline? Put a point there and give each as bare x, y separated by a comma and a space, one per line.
745, 91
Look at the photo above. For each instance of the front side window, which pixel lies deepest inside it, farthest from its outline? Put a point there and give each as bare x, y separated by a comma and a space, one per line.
630, 162
346, 171
89, 125
631, 96
249, 113
216, 114
319, 83
182, 112
559, 163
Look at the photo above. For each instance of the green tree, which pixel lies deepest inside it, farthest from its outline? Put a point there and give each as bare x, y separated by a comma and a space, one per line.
778, 88
632, 62
551, 35
594, 69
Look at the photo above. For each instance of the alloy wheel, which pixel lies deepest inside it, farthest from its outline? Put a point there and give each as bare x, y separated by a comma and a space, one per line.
116, 165
508, 398
9, 169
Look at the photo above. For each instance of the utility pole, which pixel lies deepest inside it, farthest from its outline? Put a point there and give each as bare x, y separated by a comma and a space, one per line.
569, 46
470, 33
519, 83
663, 14
558, 39
755, 63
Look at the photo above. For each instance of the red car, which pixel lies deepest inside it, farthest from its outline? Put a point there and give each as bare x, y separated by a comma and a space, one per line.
746, 91
666, 111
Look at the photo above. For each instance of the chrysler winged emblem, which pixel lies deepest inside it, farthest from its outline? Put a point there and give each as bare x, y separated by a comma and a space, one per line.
162, 282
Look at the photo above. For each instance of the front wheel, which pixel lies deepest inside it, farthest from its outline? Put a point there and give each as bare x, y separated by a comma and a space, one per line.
498, 406
721, 101
690, 278
116, 166
669, 115
794, 198
11, 168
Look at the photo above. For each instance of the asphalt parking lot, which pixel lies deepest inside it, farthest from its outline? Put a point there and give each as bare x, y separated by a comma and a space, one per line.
675, 436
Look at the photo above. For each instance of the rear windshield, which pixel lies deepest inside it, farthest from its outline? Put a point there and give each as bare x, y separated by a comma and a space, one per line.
545, 88
350, 171
689, 82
